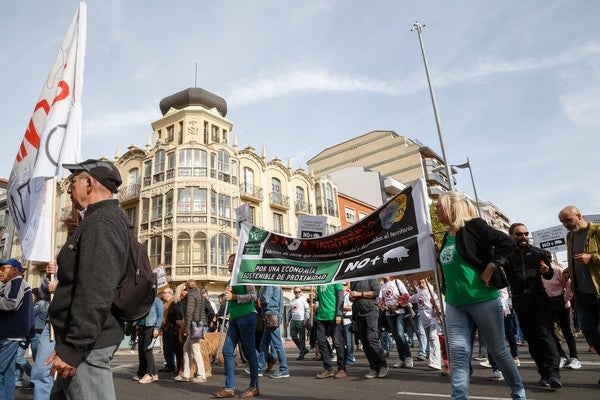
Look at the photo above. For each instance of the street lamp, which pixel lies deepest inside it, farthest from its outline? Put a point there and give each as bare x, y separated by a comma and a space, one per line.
417, 26
450, 179
468, 165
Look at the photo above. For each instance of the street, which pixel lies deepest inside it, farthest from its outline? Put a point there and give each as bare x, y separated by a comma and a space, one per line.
419, 382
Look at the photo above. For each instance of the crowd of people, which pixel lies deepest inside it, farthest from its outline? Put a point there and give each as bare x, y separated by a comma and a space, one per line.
496, 287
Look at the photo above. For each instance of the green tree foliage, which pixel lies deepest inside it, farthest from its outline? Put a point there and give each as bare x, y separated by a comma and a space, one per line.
438, 228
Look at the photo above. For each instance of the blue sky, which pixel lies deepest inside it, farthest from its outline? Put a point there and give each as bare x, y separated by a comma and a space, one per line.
517, 83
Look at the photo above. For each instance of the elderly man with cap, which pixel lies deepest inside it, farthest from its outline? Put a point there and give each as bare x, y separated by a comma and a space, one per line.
90, 266
16, 321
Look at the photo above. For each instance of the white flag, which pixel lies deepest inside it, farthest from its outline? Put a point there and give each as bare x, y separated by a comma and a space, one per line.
52, 137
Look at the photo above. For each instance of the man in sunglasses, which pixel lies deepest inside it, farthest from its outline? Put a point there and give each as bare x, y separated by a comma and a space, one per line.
526, 267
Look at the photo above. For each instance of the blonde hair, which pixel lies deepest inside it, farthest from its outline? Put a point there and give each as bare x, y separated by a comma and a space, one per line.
180, 288
458, 208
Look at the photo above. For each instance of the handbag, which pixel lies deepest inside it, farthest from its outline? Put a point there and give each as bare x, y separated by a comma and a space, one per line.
197, 330
499, 278
272, 321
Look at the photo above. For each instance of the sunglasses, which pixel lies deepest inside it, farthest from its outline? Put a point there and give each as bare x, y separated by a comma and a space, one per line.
521, 233
297, 292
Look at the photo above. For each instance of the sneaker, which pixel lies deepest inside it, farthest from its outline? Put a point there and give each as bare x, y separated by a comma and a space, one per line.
280, 374
486, 364
422, 358
434, 366
544, 382
325, 374
145, 379
19, 384
562, 363
480, 358
517, 361
198, 379
371, 374
555, 382
181, 378
247, 371
574, 363
383, 371
341, 374
135, 378
408, 362
496, 376
154, 377
398, 365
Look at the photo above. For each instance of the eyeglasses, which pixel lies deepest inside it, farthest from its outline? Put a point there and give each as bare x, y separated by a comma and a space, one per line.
297, 292
521, 233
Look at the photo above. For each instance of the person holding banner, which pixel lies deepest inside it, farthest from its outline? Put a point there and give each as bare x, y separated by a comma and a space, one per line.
242, 326
329, 324
471, 250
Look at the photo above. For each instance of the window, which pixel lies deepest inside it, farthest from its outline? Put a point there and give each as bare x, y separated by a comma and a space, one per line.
330, 205
224, 166
350, 214
276, 189
183, 249
159, 166
147, 172
248, 184
145, 210
213, 202
169, 203
192, 162
213, 165
170, 133
300, 194
277, 223
225, 136
252, 216
131, 216
214, 133
234, 172
168, 253
199, 248
205, 132
224, 248
155, 250
170, 165
224, 206
133, 178
191, 200
213, 250
157, 204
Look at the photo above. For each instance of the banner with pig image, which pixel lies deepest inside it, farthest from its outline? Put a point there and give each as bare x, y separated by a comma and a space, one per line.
393, 240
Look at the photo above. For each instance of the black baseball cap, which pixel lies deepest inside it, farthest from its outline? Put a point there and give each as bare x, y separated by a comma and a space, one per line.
103, 171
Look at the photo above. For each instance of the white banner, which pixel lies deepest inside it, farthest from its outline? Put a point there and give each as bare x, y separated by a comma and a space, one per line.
52, 137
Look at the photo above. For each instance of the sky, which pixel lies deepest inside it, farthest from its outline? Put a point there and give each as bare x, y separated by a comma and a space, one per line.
517, 84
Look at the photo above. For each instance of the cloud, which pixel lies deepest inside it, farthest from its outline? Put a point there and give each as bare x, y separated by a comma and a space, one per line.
294, 79
119, 121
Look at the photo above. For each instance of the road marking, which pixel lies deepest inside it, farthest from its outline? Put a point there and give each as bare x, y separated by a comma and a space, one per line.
421, 395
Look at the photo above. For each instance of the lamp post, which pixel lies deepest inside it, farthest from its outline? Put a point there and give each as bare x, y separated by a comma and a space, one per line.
417, 26
468, 165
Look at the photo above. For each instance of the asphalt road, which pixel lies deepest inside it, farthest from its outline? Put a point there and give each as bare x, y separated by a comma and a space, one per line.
408, 384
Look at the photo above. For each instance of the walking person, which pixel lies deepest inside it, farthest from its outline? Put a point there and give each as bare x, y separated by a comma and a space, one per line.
347, 326
149, 328
329, 324
583, 255
298, 319
271, 303
242, 327
393, 299
168, 339
365, 311
471, 250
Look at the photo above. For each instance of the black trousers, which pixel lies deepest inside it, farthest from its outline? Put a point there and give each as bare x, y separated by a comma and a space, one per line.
537, 324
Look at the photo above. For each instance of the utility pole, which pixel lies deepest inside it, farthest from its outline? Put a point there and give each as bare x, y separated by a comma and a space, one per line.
417, 26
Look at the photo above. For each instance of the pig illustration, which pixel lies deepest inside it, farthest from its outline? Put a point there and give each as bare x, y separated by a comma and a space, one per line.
398, 253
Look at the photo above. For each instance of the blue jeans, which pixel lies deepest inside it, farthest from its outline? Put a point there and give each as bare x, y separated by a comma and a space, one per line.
349, 336
93, 379
8, 355
244, 329
23, 366
272, 338
397, 323
587, 306
40, 373
488, 318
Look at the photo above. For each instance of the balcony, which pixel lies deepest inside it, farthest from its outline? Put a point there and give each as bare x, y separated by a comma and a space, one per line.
321, 210
279, 200
251, 192
302, 207
131, 192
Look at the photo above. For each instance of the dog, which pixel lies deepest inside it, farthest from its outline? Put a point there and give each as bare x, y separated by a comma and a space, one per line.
211, 347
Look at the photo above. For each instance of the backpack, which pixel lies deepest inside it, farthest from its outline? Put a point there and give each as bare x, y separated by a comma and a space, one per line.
137, 290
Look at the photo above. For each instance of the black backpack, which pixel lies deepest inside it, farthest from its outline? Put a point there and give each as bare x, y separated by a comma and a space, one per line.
137, 290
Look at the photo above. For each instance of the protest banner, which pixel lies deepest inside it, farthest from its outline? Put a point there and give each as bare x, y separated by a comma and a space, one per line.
393, 240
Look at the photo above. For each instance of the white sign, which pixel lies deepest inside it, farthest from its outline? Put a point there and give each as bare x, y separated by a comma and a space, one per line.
161, 277
242, 214
554, 239
312, 226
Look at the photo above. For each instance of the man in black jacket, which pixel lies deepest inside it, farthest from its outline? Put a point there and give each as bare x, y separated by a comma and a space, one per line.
90, 266
525, 268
